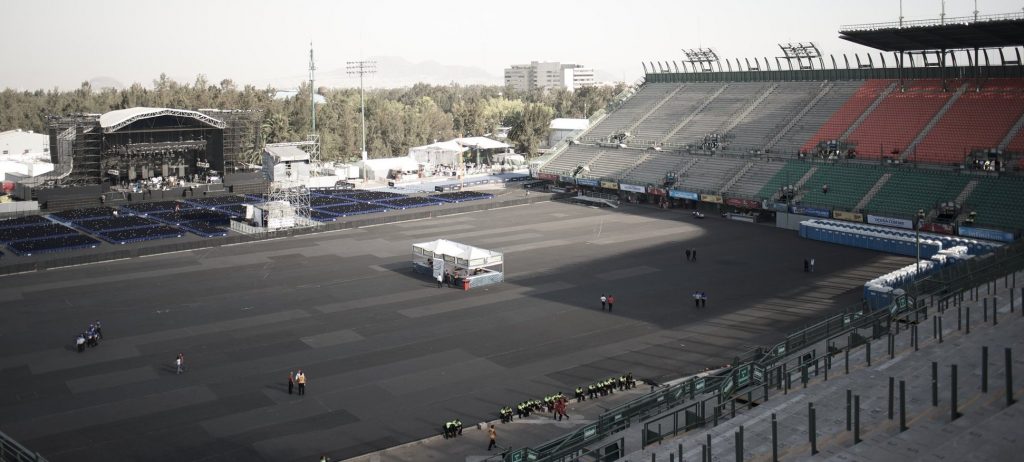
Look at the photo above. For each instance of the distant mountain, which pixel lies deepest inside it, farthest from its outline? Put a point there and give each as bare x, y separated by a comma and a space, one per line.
99, 83
394, 72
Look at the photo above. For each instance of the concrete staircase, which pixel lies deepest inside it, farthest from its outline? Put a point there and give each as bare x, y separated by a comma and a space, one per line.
825, 88
968, 189
935, 120
873, 191
693, 114
750, 108
1012, 134
632, 127
867, 112
737, 177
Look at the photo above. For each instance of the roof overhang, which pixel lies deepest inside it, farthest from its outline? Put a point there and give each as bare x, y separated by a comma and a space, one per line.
951, 34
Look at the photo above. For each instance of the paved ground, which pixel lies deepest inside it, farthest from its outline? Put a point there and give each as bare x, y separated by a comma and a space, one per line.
388, 355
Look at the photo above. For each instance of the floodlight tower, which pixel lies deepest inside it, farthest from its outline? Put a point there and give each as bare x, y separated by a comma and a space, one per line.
361, 68
312, 145
312, 87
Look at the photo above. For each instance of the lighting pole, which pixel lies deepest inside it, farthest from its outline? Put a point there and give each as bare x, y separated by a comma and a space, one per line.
917, 237
361, 68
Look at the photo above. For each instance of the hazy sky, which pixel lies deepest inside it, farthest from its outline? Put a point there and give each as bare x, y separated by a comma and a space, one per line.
61, 43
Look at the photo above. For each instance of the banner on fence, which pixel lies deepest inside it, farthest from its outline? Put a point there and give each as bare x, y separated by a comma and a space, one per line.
683, 195
656, 191
714, 198
547, 176
984, 233
810, 211
888, 221
609, 184
586, 182
567, 179
939, 228
743, 203
848, 216
632, 188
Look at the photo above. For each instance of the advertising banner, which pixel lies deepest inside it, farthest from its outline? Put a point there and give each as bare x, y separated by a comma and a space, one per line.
567, 179
632, 188
983, 233
848, 216
609, 184
743, 203
711, 198
683, 195
780, 207
810, 211
586, 182
656, 191
894, 222
547, 176
938, 228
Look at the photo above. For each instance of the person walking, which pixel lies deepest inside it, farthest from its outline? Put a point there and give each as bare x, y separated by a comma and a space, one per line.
687, 254
807, 265
291, 382
80, 342
99, 329
703, 299
439, 279
301, 378
812, 264
604, 302
180, 363
611, 302
693, 254
696, 299
493, 433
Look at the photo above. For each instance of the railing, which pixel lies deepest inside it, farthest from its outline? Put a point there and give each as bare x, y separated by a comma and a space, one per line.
12, 451
932, 22
761, 368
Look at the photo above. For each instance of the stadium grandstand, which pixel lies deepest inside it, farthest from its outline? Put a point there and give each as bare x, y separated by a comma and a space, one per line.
902, 169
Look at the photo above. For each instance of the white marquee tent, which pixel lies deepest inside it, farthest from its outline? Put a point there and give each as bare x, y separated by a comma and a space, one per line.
478, 266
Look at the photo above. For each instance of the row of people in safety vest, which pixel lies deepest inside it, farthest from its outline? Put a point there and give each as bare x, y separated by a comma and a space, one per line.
452, 428
602, 388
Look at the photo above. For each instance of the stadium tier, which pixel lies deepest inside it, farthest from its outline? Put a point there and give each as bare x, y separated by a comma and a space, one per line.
908, 191
997, 202
890, 128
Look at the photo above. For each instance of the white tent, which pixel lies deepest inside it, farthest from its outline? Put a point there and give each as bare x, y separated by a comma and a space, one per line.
481, 143
377, 169
479, 267
442, 153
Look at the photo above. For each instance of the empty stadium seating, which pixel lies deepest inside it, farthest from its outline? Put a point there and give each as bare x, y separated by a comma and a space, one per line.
710, 174
717, 114
752, 182
789, 174
997, 201
846, 185
806, 128
977, 120
848, 113
908, 191
753, 131
900, 117
656, 165
677, 108
631, 110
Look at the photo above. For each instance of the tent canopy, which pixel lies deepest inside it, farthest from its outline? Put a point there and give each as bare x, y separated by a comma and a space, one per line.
480, 142
460, 254
444, 152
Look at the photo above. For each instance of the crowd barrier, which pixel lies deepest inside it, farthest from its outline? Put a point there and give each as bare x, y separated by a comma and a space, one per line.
889, 240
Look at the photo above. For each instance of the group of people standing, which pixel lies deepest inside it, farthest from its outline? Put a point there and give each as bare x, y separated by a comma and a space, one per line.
607, 301
691, 254
297, 378
91, 337
809, 265
700, 299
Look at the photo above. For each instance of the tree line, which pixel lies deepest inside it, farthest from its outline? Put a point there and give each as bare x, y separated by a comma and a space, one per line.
396, 119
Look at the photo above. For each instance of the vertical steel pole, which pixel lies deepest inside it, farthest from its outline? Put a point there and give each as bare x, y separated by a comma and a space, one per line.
903, 405
1009, 377
812, 426
849, 408
953, 413
984, 369
775, 439
935, 384
856, 419
892, 382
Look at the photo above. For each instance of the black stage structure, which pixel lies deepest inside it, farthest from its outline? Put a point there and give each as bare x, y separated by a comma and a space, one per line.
128, 145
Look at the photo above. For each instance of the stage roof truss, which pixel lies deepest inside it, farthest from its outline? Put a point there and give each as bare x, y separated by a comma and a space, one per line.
115, 120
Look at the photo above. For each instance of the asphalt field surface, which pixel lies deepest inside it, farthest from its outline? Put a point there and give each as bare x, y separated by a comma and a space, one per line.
389, 356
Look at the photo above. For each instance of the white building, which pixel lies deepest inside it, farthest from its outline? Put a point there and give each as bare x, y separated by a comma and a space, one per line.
565, 128
24, 153
548, 75
286, 164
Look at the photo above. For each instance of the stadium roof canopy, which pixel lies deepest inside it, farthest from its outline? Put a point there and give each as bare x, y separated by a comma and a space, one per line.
993, 31
115, 120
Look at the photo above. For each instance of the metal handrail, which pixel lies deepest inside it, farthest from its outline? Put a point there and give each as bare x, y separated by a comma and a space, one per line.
932, 22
